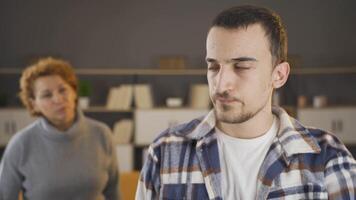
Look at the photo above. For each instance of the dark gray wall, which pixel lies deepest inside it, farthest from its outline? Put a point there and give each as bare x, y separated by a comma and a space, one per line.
133, 33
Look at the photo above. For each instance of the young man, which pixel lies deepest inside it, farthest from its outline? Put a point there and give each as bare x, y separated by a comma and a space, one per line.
245, 148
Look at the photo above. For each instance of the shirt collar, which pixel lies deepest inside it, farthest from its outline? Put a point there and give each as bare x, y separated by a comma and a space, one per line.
292, 136
205, 126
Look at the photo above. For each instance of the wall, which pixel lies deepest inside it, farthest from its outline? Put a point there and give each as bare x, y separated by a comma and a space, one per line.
118, 33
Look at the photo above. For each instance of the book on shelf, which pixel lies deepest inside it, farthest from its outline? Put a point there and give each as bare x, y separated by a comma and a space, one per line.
110, 103
123, 131
127, 96
120, 98
199, 96
143, 96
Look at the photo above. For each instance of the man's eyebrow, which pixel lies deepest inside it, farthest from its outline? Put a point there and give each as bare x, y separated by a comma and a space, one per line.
244, 59
239, 59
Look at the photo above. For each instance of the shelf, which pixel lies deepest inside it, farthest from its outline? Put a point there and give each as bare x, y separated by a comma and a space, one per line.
119, 71
324, 70
90, 109
188, 71
104, 109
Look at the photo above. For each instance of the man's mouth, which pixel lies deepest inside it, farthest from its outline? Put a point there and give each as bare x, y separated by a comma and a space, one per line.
225, 100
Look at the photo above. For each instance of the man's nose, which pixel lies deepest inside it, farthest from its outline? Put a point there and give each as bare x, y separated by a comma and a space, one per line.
225, 80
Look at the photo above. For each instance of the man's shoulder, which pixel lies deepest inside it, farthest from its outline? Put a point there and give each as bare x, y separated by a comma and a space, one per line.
329, 142
310, 142
298, 138
179, 132
322, 136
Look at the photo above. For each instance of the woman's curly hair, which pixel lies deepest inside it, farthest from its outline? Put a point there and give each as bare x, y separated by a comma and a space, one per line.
44, 67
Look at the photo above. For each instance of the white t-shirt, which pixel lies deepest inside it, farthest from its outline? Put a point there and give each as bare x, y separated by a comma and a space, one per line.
240, 161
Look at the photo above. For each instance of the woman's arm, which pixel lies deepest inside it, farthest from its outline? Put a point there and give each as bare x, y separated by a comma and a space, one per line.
10, 176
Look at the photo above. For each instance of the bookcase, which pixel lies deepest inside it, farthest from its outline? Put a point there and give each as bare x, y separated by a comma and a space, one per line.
177, 83
164, 83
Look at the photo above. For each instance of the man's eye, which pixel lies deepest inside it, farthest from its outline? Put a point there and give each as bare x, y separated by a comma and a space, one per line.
241, 67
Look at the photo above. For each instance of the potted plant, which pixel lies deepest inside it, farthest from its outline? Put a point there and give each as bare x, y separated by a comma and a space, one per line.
84, 92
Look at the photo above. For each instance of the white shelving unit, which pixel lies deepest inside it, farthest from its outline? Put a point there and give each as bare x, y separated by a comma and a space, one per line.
337, 120
102, 113
11, 121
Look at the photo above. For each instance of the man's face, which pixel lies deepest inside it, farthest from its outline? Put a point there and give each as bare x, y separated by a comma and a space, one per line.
239, 72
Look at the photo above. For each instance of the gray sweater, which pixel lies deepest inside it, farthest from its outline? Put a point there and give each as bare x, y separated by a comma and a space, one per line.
47, 164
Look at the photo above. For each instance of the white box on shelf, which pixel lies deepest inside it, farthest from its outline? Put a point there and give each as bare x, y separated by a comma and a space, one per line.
339, 121
120, 98
150, 123
124, 153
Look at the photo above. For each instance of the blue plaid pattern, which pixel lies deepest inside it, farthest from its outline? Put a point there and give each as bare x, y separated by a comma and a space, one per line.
302, 163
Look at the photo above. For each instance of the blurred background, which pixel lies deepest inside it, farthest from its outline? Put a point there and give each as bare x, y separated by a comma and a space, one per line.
155, 51
117, 33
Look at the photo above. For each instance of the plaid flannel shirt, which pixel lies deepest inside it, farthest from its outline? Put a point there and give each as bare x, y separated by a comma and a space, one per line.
302, 163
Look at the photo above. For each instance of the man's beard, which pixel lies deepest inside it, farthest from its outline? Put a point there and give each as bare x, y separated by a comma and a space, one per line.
227, 114
233, 114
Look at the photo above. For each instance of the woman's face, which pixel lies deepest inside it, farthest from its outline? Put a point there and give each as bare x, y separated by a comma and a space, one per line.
55, 99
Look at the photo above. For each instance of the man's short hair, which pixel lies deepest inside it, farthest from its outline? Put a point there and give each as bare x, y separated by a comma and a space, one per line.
243, 16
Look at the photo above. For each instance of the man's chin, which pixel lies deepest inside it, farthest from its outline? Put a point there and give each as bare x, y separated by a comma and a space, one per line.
231, 116
224, 115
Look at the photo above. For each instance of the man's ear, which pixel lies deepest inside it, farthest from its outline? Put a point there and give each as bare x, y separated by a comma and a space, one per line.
280, 75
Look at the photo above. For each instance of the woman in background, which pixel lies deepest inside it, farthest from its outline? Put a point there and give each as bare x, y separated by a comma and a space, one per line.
63, 154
